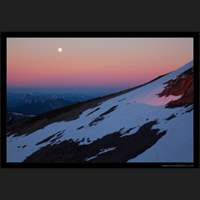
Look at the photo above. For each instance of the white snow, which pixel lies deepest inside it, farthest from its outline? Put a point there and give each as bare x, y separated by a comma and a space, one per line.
102, 151
137, 108
175, 146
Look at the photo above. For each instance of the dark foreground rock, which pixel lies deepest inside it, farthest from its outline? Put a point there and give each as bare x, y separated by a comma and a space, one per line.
124, 148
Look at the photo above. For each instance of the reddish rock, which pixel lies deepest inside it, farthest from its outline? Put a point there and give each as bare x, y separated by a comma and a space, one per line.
182, 85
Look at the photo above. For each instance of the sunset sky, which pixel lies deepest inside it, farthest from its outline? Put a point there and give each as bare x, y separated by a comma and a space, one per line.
93, 62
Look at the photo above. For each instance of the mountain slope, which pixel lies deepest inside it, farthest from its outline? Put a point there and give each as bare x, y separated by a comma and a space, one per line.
13, 118
151, 123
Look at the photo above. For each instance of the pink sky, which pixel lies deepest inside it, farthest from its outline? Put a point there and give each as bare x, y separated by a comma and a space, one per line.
36, 62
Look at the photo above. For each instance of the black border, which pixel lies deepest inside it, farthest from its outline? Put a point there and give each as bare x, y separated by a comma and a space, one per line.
194, 35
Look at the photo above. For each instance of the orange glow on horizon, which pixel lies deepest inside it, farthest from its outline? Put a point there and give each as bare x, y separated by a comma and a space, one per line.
93, 62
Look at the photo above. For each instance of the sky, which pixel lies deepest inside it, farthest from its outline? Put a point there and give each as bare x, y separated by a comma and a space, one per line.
93, 62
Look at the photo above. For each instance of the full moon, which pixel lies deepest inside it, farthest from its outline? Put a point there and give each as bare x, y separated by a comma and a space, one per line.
60, 50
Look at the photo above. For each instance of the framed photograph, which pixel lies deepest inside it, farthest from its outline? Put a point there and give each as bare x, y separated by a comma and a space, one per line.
100, 99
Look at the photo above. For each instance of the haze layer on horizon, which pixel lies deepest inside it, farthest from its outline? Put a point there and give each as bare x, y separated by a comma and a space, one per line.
92, 62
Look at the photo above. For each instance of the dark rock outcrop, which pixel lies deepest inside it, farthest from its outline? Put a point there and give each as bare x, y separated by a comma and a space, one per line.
126, 147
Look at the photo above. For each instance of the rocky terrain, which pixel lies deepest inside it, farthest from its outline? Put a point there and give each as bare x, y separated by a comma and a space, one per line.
149, 123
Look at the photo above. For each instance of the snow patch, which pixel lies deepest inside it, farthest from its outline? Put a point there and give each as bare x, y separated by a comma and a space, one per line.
102, 151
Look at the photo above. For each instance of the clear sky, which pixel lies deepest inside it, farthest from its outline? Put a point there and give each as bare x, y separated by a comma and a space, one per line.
93, 62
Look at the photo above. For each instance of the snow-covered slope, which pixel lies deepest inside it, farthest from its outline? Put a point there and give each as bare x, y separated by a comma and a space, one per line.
137, 126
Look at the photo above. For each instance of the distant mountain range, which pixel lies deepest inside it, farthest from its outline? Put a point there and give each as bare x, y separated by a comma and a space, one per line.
149, 123
33, 104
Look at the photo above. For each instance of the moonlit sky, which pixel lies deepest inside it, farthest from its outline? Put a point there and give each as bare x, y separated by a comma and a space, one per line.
93, 62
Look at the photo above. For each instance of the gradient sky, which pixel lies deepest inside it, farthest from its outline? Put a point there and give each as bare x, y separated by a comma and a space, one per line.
93, 62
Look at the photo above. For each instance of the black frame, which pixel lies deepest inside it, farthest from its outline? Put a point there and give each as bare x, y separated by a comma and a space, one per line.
5, 35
